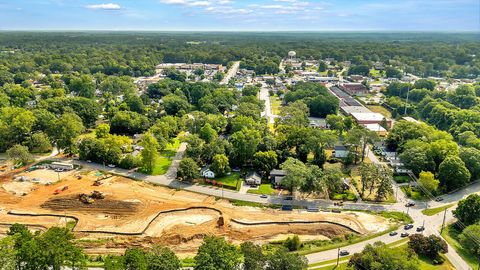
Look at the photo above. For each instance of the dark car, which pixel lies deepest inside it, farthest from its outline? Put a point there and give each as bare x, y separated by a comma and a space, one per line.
263, 196
409, 204
420, 229
289, 198
287, 208
404, 234
393, 233
408, 226
438, 199
344, 253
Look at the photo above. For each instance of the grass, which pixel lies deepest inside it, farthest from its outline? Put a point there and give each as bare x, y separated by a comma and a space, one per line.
434, 211
451, 235
346, 196
396, 216
163, 162
414, 193
381, 110
275, 104
265, 189
233, 180
401, 178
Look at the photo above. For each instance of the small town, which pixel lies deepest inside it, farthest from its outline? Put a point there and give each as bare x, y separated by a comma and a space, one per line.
239, 150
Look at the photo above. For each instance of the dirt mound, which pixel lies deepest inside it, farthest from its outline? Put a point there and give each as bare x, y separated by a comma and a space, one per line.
106, 206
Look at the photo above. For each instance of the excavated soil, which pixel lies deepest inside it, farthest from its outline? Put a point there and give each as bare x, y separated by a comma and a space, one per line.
104, 206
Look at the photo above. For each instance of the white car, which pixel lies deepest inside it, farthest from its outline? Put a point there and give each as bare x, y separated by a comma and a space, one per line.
111, 165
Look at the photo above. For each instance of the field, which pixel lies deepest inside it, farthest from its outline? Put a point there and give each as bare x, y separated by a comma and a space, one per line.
163, 162
434, 211
139, 214
381, 110
275, 103
263, 189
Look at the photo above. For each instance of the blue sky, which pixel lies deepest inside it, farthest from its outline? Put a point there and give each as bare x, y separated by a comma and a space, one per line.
241, 15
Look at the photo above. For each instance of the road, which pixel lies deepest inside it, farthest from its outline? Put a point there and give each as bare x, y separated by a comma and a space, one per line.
265, 96
231, 72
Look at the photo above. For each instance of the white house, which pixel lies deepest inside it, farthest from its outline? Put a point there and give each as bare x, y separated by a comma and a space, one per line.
341, 151
207, 173
253, 178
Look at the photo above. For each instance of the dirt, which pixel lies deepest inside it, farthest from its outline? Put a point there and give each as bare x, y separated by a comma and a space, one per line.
136, 207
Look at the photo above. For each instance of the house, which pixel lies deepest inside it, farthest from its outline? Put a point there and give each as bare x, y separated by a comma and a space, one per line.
61, 166
341, 151
253, 179
207, 173
346, 183
276, 177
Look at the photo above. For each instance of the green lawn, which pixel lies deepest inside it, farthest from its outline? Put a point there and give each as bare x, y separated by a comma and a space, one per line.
414, 193
263, 189
434, 211
345, 196
450, 234
401, 178
275, 104
163, 162
233, 180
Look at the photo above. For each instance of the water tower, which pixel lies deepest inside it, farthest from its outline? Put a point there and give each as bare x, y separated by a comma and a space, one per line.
292, 54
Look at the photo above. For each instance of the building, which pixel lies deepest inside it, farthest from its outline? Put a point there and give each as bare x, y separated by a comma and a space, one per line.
341, 151
354, 89
276, 177
61, 166
364, 118
207, 173
253, 179
381, 131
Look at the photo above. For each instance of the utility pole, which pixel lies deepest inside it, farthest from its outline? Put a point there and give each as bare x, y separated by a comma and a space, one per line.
444, 219
338, 256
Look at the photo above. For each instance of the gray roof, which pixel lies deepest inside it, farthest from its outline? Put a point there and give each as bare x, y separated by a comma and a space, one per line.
276, 172
340, 148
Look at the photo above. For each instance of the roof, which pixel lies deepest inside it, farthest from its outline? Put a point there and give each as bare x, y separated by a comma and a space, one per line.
340, 148
253, 176
374, 127
355, 109
368, 116
276, 172
205, 169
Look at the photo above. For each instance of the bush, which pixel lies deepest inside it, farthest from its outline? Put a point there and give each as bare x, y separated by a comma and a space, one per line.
293, 244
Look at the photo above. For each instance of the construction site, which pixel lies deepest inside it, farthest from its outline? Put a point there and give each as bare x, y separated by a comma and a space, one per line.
109, 213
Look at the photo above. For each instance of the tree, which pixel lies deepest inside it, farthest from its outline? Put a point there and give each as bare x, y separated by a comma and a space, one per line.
379, 256
8, 254
281, 259
66, 129
162, 258
429, 246
188, 170
102, 131
244, 145
149, 152
294, 114
428, 181
175, 105
135, 259
39, 143
253, 258
265, 161
468, 210
335, 122
127, 122
220, 165
296, 174
471, 157
468, 242
393, 73
83, 86
322, 66
207, 133
416, 158
216, 253
250, 90
425, 84
453, 174
19, 154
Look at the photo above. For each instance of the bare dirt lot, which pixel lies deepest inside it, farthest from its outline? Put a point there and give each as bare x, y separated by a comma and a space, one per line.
139, 214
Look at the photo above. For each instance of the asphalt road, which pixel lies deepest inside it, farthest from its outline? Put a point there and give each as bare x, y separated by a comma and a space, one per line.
231, 72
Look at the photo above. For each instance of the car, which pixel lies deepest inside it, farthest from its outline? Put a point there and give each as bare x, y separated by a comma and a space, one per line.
404, 234
263, 196
409, 204
408, 226
336, 211
344, 253
287, 207
438, 199
89, 161
393, 233
289, 198
111, 165
420, 229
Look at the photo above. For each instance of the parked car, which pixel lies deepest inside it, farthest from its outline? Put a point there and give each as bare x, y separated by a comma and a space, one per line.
404, 234
287, 208
263, 196
393, 233
408, 226
438, 199
111, 165
420, 229
289, 198
344, 253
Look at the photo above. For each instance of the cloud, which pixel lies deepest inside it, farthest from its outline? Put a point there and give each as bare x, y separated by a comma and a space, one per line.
196, 3
109, 6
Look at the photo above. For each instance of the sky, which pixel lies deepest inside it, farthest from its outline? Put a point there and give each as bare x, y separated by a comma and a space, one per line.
241, 15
